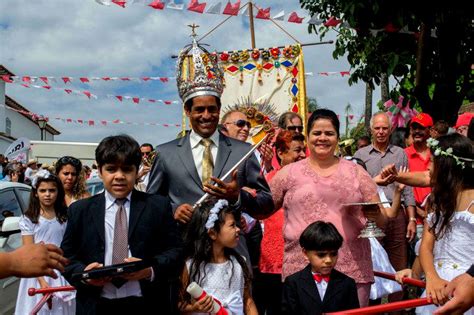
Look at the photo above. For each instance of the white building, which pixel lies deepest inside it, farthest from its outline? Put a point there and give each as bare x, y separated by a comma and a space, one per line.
15, 123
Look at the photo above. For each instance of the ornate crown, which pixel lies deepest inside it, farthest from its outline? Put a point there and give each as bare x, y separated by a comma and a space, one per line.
198, 72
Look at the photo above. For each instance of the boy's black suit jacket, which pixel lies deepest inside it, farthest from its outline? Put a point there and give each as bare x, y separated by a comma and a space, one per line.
301, 296
152, 235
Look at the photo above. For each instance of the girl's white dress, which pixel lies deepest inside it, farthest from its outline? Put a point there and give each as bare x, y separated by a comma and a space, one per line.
225, 282
453, 253
49, 232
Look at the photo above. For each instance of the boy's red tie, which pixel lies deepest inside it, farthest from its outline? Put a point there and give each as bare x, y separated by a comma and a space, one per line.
319, 277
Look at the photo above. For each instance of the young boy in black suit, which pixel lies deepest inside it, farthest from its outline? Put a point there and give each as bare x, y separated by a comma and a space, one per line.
319, 288
122, 225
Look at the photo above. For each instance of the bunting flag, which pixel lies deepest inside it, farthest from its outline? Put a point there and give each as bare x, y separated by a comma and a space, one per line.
215, 8
263, 14
294, 18
90, 122
48, 80
232, 9
280, 16
332, 22
90, 95
195, 6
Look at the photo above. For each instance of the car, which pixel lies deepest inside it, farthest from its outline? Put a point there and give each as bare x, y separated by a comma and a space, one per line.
95, 185
14, 199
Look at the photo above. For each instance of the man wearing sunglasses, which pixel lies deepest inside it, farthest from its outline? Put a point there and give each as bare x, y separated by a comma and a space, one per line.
292, 122
235, 125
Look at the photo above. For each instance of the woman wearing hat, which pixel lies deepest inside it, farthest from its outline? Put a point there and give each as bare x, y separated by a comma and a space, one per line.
69, 171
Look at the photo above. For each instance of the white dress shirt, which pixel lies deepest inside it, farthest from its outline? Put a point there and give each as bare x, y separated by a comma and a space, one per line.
198, 149
130, 288
322, 286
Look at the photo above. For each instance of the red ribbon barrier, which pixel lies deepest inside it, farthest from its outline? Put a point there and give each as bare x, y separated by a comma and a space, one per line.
405, 280
40, 304
389, 307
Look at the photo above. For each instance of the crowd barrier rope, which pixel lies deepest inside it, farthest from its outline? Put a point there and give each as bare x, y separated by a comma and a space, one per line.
47, 297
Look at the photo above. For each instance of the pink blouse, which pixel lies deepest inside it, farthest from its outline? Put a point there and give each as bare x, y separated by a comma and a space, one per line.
307, 197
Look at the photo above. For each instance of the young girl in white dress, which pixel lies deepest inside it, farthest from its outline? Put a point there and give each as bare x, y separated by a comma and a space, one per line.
447, 245
44, 221
210, 238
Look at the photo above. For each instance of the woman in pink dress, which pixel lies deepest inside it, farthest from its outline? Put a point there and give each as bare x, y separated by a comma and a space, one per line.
317, 188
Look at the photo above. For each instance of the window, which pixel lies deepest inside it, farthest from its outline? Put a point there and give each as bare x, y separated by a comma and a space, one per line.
24, 196
9, 205
8, 126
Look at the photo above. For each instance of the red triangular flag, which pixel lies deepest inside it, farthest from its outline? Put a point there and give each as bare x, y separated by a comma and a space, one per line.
146, 79
69, 120
26, 79
195, 6
232, 9
87, 93
116, 121
136, 100
66, 79
106, 78
80, 121
47, 87
91, 123
164, 80
152, 101
390, 28
84, 80
120, 98
351, 117
167, 102
157, 5
166, 125
263, 14
324, 73
332, 22
294, 18
44, 79
103, 122
25, 85
119, 3
7, 78
343, 73
68, 91
125, 79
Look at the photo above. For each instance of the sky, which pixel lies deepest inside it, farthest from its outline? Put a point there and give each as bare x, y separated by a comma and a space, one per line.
85, 39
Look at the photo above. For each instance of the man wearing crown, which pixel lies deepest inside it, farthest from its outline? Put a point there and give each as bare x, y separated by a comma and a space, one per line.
184, 168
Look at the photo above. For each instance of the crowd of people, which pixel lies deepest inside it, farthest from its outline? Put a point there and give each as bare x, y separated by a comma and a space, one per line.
279, 235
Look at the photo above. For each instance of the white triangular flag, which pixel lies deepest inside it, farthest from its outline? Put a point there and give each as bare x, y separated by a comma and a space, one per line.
104, 2
215, 8
175, 6
280, 16
314, 20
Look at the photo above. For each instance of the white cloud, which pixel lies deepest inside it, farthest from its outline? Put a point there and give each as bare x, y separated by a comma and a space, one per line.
83, 39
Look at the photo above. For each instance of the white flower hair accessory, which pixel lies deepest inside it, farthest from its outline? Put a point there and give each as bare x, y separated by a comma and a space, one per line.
214, 213
434, 144
40, 174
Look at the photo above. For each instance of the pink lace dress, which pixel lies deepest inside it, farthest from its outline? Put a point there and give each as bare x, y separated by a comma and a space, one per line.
307, 197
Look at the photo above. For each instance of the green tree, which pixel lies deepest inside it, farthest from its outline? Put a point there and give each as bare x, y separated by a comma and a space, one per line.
311, 104
423, 46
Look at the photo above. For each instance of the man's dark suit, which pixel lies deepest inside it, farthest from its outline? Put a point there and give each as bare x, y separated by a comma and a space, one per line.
152, 236
174, 174
301, 296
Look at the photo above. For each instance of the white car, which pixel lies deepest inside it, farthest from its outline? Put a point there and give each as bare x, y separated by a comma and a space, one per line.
14, 198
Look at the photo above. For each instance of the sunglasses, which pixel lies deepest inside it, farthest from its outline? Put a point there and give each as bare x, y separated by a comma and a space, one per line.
240, 123
294, 128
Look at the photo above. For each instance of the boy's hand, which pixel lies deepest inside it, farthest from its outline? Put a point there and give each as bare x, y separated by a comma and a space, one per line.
137, 275
96, 282
183, 213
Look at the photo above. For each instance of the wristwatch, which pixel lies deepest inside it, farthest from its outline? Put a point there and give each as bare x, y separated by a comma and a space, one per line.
412, 219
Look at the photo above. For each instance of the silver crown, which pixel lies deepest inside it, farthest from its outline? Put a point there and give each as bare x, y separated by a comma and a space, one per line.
198, 72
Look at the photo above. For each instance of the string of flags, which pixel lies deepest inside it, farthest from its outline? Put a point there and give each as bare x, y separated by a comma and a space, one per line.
218, 8
51, 80
90, 95
48, 80
89, 122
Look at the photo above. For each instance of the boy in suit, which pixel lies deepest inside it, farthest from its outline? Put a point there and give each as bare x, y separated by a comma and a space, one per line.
319, 288
122, 225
